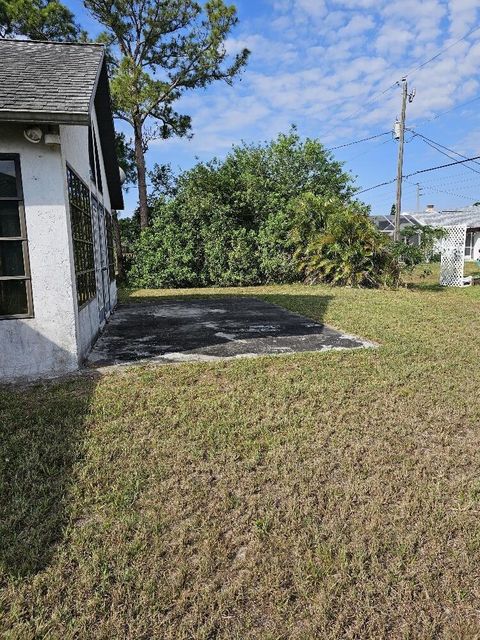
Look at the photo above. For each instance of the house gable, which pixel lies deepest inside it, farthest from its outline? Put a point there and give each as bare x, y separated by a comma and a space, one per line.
60, 83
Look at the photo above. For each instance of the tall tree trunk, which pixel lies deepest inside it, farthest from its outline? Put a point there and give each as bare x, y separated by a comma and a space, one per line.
141, 173
117, 241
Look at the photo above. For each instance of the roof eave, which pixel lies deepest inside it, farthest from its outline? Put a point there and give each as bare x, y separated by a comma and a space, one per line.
103, 110
56, 117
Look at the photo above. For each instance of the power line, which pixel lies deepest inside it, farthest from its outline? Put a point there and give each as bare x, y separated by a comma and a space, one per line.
388, 199
442, 146
405, 95
376, 186
468, 179
450, 193
439, 115
375, 97
449, 155
379, 93
453, 178
357, 155
441, 166
416, 173
439, 53
349, 144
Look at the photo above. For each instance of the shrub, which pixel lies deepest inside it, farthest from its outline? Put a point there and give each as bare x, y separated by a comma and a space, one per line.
350, 251
229, 222
165, 254
419, 244
270, 213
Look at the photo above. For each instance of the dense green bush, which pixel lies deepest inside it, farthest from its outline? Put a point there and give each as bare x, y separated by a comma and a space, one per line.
165, 253
348, 251
230, 222
418, 244
271, 213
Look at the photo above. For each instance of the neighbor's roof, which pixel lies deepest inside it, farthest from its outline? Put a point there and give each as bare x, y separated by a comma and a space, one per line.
48, 79
470, 216
53, 82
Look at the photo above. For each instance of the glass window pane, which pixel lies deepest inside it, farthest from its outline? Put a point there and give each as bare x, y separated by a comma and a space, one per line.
8, 181
11, 258
9, 219
13, 297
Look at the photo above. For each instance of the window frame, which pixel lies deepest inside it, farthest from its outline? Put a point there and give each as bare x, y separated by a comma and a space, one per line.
91, 156
112, 275
23, 238
98, 169
469, 246
83, 241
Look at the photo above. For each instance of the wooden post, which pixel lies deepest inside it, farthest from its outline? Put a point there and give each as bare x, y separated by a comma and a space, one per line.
401, 143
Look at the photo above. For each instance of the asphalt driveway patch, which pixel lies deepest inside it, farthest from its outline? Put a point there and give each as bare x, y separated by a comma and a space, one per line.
173, 330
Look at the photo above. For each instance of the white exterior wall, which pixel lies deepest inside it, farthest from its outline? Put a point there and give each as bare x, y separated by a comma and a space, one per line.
476, 246
472, 241
47, 343
59, 336
75, 153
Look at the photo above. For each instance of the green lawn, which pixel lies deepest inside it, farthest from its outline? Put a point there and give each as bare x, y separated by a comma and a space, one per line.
331, 495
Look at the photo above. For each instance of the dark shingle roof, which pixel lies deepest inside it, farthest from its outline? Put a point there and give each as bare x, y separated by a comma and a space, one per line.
48, 81
53, 82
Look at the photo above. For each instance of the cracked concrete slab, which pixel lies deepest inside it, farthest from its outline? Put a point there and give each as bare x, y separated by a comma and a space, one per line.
210, 329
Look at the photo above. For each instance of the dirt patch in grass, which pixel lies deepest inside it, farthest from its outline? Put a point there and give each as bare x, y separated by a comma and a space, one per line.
312, 496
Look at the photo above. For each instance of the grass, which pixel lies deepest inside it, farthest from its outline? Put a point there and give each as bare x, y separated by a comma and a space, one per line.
428, 275
332, 495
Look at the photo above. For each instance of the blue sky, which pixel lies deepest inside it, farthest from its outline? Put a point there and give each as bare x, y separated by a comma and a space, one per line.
323, 65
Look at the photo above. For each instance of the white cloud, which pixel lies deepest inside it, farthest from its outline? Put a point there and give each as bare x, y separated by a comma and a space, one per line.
462, 14
313, 8
264, 50
394, 40
470, 144
359, 4
357, 25
325, 66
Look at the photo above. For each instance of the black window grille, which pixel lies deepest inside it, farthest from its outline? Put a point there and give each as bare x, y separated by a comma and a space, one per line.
110, 246
81, 218
15, 282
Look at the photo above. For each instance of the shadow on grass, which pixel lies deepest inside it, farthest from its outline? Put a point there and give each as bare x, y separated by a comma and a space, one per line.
41, 440
282, 298
426, 286
317, 302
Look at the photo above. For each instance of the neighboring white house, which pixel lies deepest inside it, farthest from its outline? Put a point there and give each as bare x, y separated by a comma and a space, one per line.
59, 180
468, 216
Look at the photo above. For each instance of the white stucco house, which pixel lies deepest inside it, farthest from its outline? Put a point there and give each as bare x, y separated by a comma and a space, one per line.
468, 216
59, 180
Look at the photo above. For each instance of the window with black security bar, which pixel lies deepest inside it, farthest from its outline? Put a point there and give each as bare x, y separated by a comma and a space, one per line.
15, 281
82, 235
110, 246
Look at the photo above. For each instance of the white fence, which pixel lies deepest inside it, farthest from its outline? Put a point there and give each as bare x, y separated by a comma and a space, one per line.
453, 256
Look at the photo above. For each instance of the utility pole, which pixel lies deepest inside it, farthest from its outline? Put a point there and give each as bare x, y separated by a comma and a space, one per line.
419, 193
400, 131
